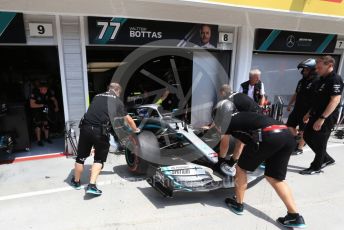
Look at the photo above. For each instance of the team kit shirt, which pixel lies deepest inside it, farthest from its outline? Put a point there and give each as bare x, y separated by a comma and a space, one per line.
243, 123
327, 87
244, 103
43, 99
104, 108
304, 93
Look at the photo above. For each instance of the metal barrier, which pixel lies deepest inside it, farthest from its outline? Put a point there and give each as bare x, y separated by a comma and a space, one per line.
276, 111
71, 141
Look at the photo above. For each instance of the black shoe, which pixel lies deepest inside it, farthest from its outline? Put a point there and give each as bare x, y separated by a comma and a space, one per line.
292, 221
40, 143
224, 169
48, 140
328, 163
310, 171
297, 152
76, 185
92, 189
234, 206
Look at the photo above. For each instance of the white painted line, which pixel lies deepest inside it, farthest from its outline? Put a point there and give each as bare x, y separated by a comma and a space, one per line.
51, 191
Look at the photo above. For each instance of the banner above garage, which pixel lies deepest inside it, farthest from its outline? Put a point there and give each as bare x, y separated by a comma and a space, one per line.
291, 41
123, 31
12, 28
320, 7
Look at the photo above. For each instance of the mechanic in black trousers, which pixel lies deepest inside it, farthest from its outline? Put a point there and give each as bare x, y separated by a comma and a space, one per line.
94, 132
302, 100
266, 140
243, 103
323, 114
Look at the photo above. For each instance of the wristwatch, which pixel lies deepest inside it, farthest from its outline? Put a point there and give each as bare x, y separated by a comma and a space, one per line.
322, 117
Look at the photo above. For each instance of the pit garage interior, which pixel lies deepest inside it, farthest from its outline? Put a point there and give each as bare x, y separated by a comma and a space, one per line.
150, 78
22, 69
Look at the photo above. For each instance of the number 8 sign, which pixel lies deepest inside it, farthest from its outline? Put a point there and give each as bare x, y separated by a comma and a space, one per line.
225, 37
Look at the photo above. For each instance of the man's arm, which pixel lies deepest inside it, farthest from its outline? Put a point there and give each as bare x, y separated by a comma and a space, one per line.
241, 89
34, 105
292, 101
56, 105
131, 123
262, 92
332, 105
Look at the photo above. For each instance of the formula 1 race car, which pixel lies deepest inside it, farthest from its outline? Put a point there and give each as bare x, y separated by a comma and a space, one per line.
173, 155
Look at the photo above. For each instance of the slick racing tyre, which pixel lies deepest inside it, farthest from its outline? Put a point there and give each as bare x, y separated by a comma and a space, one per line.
141, 151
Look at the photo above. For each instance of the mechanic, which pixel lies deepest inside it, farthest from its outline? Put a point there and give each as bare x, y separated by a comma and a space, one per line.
94, 132
302, 99
242, 103
254, 88
39, 103
323, 114
266, 140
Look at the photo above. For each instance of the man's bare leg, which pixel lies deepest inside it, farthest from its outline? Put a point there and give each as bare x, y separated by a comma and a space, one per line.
78, 169
224, 145
284, 192
240, 184
239, 146
95, 171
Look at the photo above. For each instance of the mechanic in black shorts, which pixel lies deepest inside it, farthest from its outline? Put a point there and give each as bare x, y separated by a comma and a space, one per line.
243, 103
266, 140
40, 101
323, 114
94, 132
302, 98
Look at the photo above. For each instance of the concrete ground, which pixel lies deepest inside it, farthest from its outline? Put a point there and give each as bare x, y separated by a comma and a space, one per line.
36, 195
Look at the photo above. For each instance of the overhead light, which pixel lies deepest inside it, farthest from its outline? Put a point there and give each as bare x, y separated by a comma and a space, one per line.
98, 70
102, 65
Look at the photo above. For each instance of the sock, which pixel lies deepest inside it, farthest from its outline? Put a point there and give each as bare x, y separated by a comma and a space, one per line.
221, 159
231, 161
294, 215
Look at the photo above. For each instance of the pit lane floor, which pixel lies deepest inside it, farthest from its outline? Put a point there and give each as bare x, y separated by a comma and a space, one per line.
36, 195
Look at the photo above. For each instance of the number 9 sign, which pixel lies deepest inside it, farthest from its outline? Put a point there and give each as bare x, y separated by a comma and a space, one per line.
41, 30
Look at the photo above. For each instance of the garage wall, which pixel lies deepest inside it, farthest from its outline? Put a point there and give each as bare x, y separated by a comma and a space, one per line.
73, 67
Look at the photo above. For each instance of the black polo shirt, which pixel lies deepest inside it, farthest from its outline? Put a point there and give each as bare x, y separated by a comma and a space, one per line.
104, 108
305, 92
327, 87
243, 123
42, 98
244, 103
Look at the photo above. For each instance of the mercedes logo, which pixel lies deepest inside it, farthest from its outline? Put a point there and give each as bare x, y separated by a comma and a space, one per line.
290, 41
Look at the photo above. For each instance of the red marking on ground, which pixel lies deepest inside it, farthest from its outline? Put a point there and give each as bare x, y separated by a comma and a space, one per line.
33, 158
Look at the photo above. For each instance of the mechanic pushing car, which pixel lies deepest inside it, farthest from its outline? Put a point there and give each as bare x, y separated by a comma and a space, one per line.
242, 103
266, 140
95, 129
302, 100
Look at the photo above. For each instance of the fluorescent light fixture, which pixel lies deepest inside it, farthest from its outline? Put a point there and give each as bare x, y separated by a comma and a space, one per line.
98, 70
102, 65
